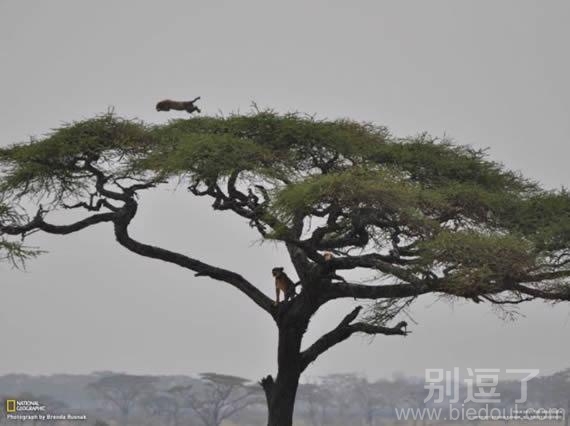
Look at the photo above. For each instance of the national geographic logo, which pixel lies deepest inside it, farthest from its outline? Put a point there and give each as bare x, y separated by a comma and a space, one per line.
29, 410
18, 405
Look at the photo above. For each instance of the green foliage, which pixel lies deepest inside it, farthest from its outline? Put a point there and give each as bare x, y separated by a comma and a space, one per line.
206, 156
51, 166
456, 210
472, 249
351, 188
373, 194
436, 163
476, 263
271, 145
543, 217
14, 252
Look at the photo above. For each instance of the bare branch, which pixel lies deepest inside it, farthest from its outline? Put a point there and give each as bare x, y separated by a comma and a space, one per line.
507, 301
91, 206
342, 332
39, 223
100, 180
558, 294
362, 291
385, 264
201, 268
545, 276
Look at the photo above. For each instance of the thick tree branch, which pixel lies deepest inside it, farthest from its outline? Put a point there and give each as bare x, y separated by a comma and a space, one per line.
100, 180
558, 294
545, 276
92, 206
267, 383
376, 261
357, 237
201, 268
121, 217
372, 292
299, 260
342, 332
39, 223
247, 206
507, 301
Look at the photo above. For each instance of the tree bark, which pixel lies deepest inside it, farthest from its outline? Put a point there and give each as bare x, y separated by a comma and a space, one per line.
282, 404
125, 416
282, 392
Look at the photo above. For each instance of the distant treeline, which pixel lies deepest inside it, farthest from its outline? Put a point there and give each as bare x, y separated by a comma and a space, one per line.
212, 399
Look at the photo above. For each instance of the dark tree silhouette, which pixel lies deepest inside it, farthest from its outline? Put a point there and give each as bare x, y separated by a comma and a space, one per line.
220, 397
123, 391
340, 385
368, 399
163, 407
53, 405
318, 399
3, 409
553, 392
423, 216
357, 399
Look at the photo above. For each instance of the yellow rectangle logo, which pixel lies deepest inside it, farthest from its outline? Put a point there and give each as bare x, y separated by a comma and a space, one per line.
10, 405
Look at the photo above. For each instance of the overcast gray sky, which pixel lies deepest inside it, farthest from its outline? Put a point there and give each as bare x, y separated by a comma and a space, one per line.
490, 74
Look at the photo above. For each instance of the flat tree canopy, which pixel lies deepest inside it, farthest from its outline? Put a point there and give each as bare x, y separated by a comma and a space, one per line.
453, 221
424, 215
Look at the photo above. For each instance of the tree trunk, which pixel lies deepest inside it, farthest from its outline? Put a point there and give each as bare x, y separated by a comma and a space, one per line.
125, 416
282, 402
281, 393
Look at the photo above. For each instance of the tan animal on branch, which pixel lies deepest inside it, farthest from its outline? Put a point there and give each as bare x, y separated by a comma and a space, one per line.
283, 284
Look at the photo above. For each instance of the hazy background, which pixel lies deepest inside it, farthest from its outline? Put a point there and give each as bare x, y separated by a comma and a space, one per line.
489, 74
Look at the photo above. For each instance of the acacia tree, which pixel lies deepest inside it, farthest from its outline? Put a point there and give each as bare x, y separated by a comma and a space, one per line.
423, 216
317, 398
553, 392
123, 391
163, 407
220, 397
